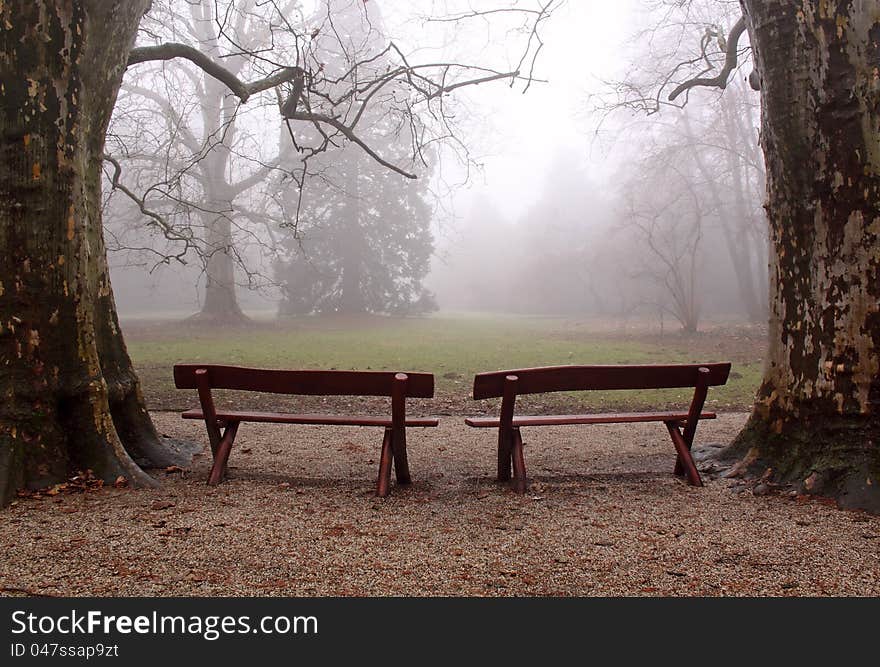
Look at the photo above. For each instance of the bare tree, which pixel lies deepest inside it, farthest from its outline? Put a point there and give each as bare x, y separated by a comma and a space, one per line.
71, 398
352, 70
731, 174
697, 44
816, 420
666, 217
209, 173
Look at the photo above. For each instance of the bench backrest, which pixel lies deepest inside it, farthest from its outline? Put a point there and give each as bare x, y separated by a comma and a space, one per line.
581, 378
303, 382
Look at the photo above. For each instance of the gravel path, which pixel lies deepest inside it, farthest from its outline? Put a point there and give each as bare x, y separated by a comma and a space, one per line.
604, 516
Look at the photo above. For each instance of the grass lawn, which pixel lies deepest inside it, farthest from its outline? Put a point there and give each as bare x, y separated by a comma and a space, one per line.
452, 347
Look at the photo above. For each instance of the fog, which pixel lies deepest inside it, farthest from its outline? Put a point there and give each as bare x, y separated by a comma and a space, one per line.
565, 194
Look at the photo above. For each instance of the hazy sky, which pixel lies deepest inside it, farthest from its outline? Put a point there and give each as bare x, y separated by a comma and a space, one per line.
582, 46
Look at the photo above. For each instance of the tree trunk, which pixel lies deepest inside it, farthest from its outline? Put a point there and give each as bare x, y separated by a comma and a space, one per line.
734, 218
352, 300
753, 224
221, 304
755, 304
815, 418
70, 399
218, 117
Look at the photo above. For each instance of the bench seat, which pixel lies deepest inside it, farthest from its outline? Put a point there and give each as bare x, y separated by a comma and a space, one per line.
681, 424
599, 418
222, 424
228, 416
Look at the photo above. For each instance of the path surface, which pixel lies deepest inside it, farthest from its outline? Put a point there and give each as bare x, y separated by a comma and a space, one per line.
604, 516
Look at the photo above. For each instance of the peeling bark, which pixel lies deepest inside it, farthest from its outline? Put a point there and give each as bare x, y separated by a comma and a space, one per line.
70, 399
816, 414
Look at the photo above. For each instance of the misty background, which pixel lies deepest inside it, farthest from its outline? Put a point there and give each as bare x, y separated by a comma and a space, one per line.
571, 197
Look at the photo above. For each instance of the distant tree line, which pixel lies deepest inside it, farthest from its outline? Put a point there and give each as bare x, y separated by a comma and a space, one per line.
675, 233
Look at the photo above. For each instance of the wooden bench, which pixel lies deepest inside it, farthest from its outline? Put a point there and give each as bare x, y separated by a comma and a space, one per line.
223, 425
681, 424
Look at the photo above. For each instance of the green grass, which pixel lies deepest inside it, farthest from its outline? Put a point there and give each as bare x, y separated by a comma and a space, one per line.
453, 348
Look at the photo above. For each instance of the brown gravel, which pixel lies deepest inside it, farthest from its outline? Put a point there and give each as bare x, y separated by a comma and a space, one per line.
603, 517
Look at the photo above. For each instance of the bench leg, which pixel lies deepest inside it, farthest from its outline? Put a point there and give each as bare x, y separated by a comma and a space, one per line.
221, 455
401, 465
504, 460
519, 463
678, 470
384, 480
684, 455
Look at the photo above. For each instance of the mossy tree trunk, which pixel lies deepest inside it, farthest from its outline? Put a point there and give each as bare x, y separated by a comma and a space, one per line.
815, 419
69, 398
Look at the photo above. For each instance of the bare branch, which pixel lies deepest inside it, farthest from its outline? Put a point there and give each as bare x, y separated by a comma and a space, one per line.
240, 89
167, 228
347, 132
290, 104
730, 62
